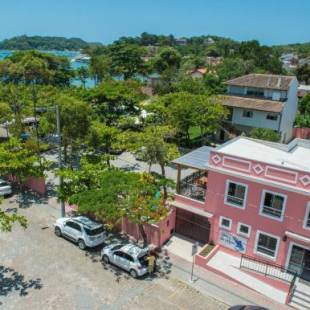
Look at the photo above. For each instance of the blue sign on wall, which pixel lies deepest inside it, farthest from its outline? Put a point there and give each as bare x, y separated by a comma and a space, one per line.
232, 241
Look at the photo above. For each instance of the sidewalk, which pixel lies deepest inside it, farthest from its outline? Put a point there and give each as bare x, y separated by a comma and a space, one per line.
219, 287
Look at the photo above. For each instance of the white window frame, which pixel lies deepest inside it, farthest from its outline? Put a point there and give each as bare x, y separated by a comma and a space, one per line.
225, 218
307, 216
226, 194
242, 233
279, 219
258, 232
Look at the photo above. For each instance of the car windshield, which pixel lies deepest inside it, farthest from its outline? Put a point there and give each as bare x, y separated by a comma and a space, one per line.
143, 260
117, 247
3, 183
95, 231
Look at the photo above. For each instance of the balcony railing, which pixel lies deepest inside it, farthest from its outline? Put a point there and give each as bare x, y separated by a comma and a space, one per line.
194, 186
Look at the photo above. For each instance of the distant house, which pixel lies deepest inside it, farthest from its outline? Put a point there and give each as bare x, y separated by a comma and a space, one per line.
153, 79
181, 41
263, 101
209, 41
303, 90
289, 61
214, 61
197, 73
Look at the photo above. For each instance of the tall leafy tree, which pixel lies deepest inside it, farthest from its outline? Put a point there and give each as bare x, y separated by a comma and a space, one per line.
126, 59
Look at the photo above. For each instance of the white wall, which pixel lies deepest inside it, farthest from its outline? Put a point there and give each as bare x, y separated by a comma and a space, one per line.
258, 120
289, 112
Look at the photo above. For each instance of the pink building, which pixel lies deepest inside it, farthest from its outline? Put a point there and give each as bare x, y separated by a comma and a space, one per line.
251, 197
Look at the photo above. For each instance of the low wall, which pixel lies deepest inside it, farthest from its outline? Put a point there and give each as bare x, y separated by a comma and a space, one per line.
36, 184
157, 234
302, 133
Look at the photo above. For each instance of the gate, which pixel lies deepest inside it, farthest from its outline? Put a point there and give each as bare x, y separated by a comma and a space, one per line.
193, 226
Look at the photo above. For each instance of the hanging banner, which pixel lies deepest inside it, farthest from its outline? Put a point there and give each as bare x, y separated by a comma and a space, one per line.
232, 241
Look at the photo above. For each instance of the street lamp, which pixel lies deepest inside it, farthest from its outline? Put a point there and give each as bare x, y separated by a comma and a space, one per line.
56, 109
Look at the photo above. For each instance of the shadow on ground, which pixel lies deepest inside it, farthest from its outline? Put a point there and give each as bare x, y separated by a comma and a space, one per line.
12, 281
163, 264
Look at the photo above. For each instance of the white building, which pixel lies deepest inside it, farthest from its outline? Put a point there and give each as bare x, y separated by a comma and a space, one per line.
262, 101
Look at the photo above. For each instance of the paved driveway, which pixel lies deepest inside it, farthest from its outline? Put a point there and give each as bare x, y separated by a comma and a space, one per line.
40, 271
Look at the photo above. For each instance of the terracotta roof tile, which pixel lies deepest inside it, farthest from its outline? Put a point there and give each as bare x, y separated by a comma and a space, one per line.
253, 104
281, 82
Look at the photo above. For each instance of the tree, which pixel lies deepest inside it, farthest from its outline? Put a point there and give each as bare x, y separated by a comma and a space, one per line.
304, 104
168, 58
82, 74
113, 99
265, 134
152, 146
234, 67
126, 59
184, 110
18, 161
123, 194
34, 67
75, 116
103, 138
100, 67
303, 73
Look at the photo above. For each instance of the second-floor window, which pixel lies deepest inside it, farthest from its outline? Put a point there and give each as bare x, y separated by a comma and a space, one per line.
307, 217
273, 205
235, 194
256, 92
247, 113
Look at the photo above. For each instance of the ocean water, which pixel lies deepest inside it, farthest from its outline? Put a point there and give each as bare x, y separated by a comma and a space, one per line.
70, 55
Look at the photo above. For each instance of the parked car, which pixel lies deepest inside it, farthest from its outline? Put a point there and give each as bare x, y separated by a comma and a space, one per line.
5, 188
128, 257
80, 229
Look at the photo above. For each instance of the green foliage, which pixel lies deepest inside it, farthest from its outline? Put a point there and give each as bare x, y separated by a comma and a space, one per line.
126, 59
265, 134
303, 74
33, 67
112, 99
100, 67
43, 43
8, 219
17, 160
167, 59
123, 194
184, 110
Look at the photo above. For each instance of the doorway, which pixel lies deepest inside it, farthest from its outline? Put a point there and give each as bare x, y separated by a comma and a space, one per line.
300, 262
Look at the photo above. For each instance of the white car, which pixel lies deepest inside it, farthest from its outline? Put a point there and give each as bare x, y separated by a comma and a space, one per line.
81, 229
5, 188
128, 257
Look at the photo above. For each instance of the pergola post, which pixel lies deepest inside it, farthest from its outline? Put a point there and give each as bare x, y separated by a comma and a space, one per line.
178, 178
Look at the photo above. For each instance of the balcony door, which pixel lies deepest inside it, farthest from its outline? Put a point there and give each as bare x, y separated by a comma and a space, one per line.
300, 262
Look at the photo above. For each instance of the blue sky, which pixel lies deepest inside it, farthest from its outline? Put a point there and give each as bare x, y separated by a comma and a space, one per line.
271, 22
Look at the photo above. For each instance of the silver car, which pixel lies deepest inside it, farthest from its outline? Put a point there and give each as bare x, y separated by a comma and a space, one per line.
80, 229
128, 257
5, 188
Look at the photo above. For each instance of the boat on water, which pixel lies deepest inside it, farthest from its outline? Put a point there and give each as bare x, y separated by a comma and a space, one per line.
81, 58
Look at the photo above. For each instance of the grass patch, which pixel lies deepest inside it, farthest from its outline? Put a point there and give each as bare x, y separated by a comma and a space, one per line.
207, 250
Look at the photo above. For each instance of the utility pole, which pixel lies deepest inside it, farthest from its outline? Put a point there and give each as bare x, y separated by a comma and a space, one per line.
62, 204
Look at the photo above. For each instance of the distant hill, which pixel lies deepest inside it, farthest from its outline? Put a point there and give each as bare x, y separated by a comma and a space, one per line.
44, 43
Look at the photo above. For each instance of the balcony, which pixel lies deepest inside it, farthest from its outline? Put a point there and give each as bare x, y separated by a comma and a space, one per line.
194, 186
193, 167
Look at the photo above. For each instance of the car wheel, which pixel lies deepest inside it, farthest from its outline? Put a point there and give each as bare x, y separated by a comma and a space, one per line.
133, 273
57, 232
81, 244
106, 259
